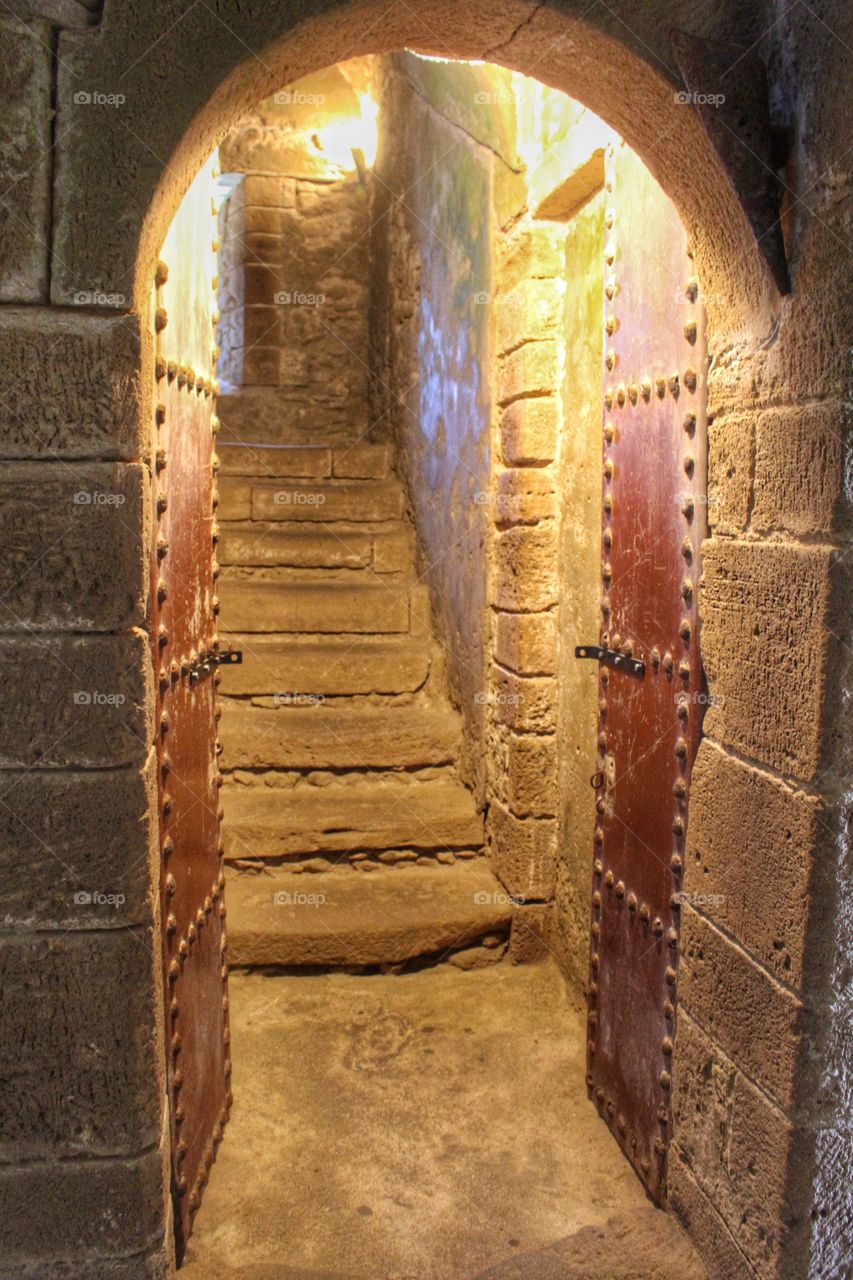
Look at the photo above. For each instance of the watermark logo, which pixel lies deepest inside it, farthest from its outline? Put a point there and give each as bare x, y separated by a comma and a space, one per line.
495, 98
499, 698
298, 498
499, 899
98, 899
685, 98
95, 98
93, 498
286, 898
295, 298
701, 699
482, 297
296, 98
700, 899
83, 698
97, 298
286, 698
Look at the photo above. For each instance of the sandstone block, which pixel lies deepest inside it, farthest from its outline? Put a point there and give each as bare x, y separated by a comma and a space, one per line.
75, 546
530, 370
268, 605
532, 309
524, 496
25, 145
80, 1059
523, 853
799, 463
235, 498
528, 939
527, 642
750, 850
532, 780
346, 665
394, 551
362, 461
764, 648
525, 575
268, 191
529, 431
700, 1218
77, 1209
89, 700
261, 367
535, 252
69, 385
731, 456
261, 543
525, 703
283, 460
356, 502
87, 846
756, 1022
736, 1145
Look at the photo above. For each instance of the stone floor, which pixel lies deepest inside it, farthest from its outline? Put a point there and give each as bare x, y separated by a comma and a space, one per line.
425, 1126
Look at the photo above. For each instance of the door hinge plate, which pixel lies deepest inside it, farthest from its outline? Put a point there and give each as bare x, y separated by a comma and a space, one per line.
612, 658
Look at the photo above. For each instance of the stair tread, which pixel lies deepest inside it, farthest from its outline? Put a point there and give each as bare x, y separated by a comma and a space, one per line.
329, 665
380, 813
349, 917
294, 736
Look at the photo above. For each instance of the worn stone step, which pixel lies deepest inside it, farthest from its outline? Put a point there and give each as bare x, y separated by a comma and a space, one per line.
347, 918
359, 501
361, 460
337, 666
253, 604
317, 737
269, 415
263, 821
265, 543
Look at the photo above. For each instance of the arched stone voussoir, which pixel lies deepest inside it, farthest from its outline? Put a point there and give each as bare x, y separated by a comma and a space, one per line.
146, 98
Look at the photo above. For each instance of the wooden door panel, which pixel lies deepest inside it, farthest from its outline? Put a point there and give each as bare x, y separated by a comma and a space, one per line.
653, 521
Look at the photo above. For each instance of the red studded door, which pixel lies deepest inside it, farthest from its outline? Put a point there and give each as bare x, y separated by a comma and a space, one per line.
186, 652
650, 674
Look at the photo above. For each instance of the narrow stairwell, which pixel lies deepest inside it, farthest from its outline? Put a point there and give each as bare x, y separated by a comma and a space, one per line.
350, 838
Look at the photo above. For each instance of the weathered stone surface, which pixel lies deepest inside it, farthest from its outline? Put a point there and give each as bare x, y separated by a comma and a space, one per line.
88, 846
764, 610
525, 703
726, 845
25, 147
527, 642
272, 460
534, 253
532, 775
90, 700
261, 543
272, 606
735, 1144
322, 502
154, 1264
235, 498
532, 369
84, 1210
799, 463
362, 461
75, 545
756, 1021
342, 918
393, 550
529, 431
532, 309
284, 415
525, 574
268, 191
80, 1058
523, 852
69, 385
528, 939
333, 737
708, 1232
524, 496
275, 822
731, 461
347, 665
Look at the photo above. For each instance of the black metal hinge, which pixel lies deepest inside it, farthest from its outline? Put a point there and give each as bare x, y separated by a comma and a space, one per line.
612, 658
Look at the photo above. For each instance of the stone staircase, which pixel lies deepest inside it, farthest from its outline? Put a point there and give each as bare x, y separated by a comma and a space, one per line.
349, 836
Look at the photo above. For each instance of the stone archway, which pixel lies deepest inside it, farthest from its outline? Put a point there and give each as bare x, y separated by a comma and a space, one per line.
772, 1033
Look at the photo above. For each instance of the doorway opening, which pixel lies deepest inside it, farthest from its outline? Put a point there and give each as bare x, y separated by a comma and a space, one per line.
425, 372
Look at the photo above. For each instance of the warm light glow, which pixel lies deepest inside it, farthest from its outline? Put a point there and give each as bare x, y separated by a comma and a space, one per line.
351, 134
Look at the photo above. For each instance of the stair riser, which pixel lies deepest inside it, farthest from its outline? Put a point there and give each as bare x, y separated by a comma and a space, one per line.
255, 738
253, 606
337, 669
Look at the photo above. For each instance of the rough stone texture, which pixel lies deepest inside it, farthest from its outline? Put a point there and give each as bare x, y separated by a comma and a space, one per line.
524, 495
267, 544
93, 697
25, 146
799, 464
528, 939
527, 643
525, 576
532, 775
707, 1230
275, 460
731, 473
341, 918
337, 737
271, 822
532, 369
768, 604
524, 703
71, 540
736, 1145
80, 1065
756, 1021
440, 1044
723, 847
379, 500
70, 385
523, 852
272, 606
529, 431
336, 665
89, 846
